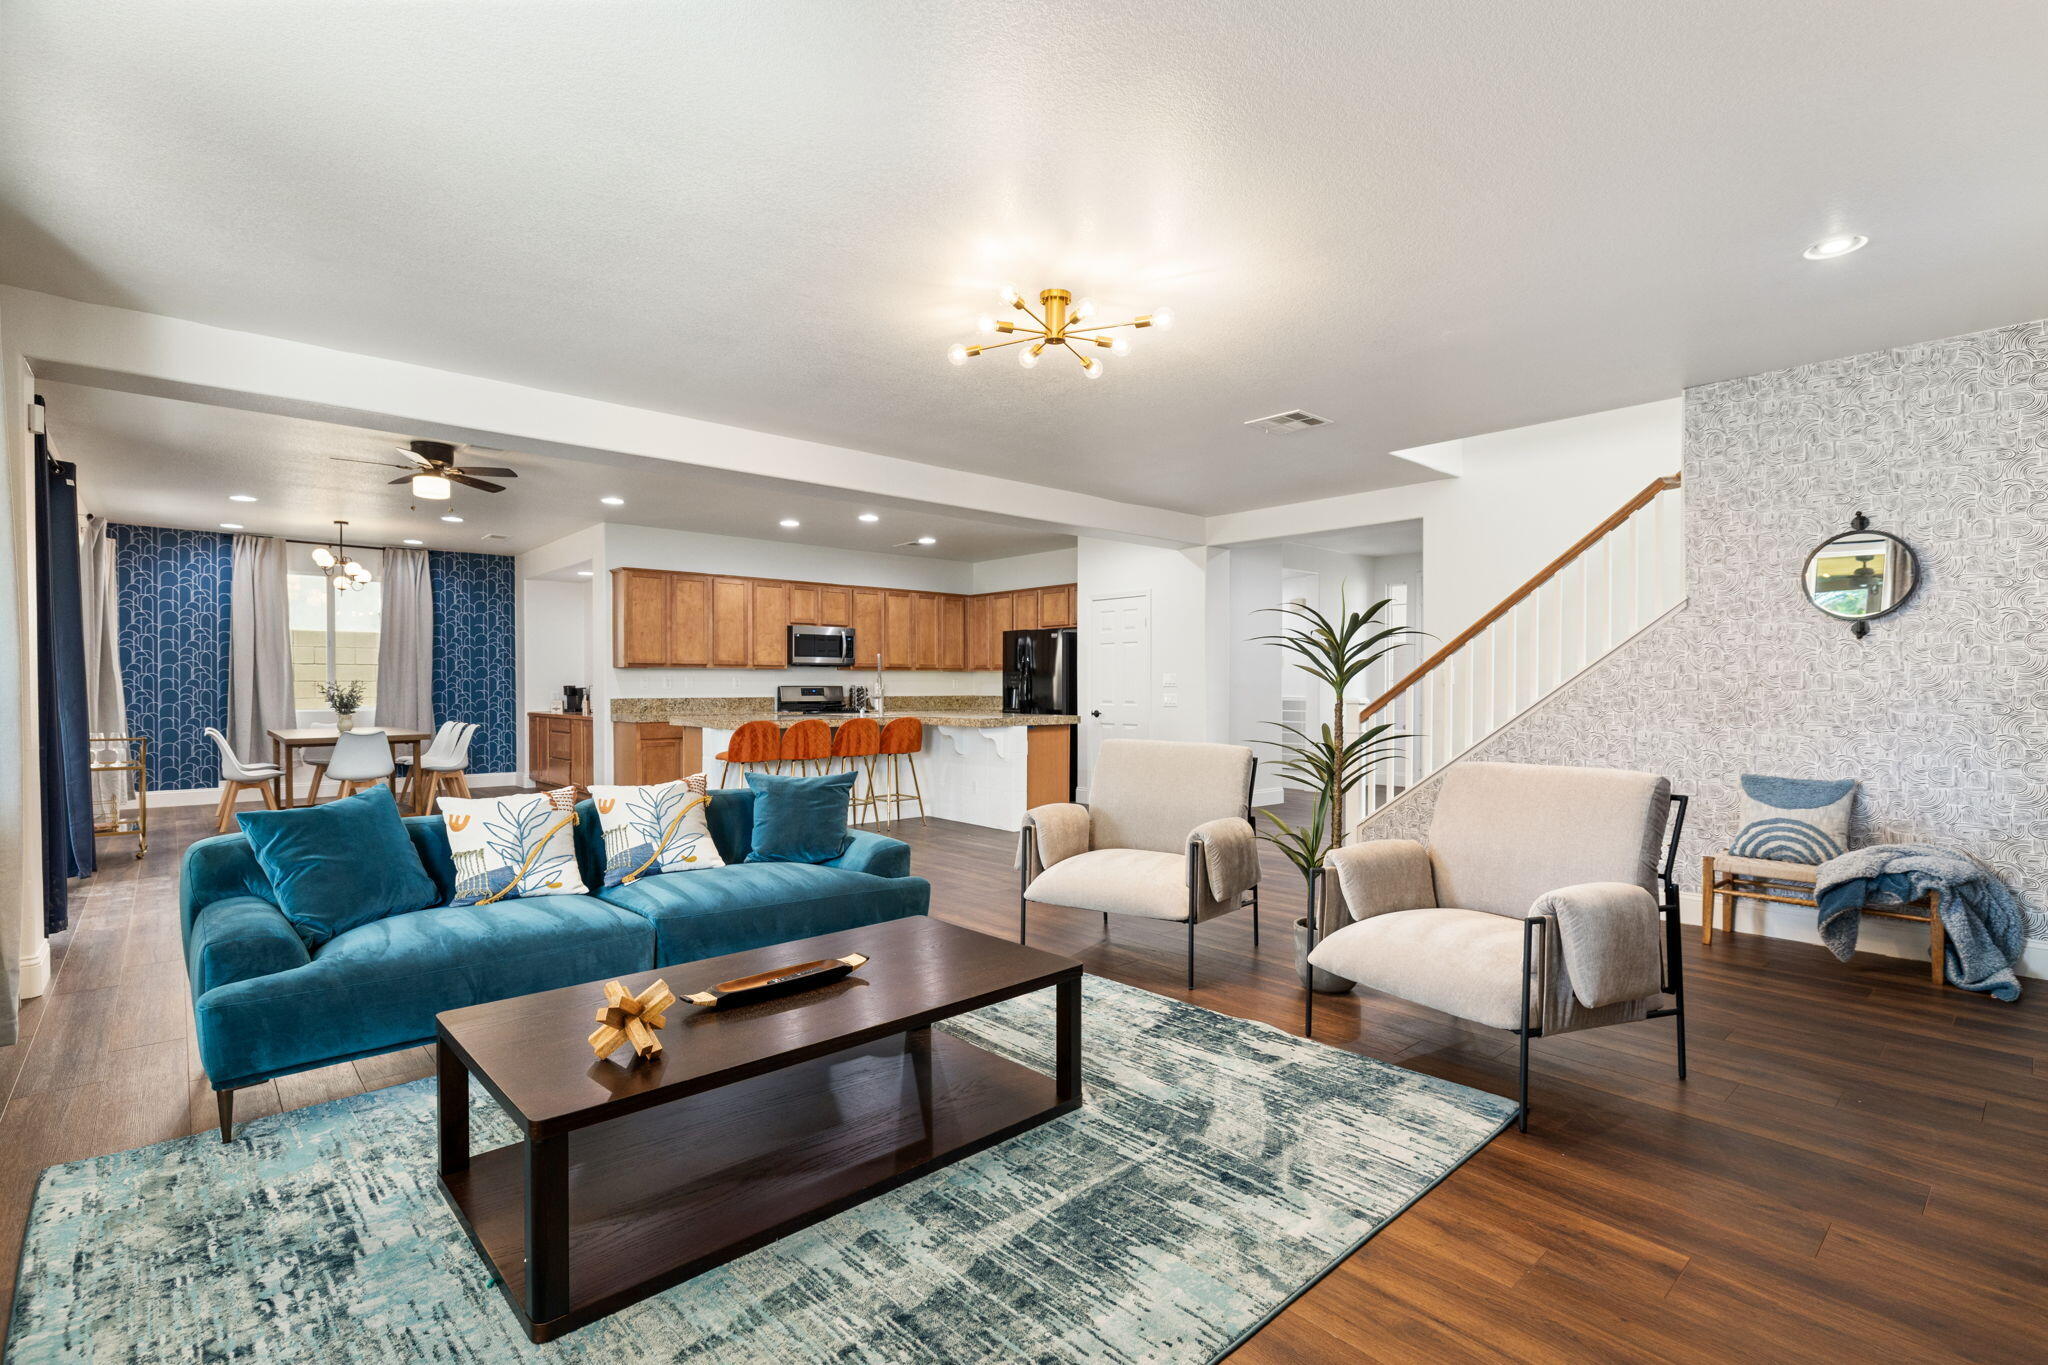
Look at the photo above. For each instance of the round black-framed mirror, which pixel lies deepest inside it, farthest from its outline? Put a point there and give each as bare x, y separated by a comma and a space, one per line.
1860, 575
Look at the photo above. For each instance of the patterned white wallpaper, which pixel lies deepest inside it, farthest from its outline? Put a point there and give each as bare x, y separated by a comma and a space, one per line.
1942, 710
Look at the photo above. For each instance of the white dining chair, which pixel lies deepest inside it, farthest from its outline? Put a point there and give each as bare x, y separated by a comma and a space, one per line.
362, 758
237, 777
445, 761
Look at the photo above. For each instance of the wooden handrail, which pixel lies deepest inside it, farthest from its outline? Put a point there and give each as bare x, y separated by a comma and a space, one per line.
1515, 598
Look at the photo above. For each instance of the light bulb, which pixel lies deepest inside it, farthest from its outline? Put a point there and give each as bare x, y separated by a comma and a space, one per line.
789, 523
415, 542
1827, 248
984, 323
452, 519
927, 540
957, 353
1163, 319
1121, 346
1009, 295
1091, 367
323, 556
432, 488
1084, 309
1028, 357
341, 581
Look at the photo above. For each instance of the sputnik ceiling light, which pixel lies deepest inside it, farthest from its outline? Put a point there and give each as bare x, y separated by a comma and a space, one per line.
336, 560
1064, 323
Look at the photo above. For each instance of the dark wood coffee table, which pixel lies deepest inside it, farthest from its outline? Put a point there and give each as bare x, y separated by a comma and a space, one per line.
753, 1121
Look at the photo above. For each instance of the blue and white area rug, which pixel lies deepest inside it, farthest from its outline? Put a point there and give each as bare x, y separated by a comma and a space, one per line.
1217, 1170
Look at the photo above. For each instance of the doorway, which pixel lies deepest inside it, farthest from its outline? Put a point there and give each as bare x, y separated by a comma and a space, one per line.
1117, 690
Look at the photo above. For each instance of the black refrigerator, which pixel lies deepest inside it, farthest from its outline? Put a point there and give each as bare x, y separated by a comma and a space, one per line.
1038, 672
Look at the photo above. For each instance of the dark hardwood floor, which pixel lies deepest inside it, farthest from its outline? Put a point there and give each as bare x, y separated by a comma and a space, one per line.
1858, 1165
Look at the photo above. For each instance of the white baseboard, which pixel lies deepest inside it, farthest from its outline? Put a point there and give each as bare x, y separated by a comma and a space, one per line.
1885, 937
34, 977
1269, 796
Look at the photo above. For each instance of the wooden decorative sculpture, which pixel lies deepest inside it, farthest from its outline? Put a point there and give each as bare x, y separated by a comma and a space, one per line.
783, 980
631, 1019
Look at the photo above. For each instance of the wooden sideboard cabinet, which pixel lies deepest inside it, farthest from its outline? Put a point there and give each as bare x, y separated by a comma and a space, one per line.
558, 750
664, 619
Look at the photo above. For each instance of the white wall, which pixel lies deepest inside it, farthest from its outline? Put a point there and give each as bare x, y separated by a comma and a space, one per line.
1025, 571
1253, 572
554, 638
1524, 496
24, 953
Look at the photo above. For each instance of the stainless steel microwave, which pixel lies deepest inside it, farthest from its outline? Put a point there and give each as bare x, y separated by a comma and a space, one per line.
821, 646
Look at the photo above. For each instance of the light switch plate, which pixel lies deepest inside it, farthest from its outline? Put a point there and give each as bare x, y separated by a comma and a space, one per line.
1169, 699
1169, 680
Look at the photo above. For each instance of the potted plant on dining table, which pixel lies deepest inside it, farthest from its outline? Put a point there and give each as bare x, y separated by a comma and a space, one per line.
345, 699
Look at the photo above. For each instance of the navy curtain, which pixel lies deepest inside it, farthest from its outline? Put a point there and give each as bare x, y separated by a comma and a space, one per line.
60, 687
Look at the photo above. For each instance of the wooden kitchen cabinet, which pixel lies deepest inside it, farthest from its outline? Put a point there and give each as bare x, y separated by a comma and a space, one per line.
870, 626
731, 613
952, 633
1002, 616
650, 751
558, 749
803, 605
924, 630
981, 652
835, 606
1056, 606
1025, 611
899, 636
689, 621
639, 618
768, 630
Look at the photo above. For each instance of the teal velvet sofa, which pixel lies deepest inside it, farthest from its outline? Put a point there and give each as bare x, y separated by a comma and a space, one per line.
264, 1006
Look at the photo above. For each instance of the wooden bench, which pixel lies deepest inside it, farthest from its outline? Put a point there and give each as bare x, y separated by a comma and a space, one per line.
1729, 878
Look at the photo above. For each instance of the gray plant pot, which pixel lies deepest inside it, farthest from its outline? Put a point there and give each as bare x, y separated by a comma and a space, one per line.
1325, 983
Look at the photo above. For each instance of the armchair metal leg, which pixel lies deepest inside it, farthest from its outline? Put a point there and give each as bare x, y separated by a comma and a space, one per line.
1522, 1033
1255, 917
1105, 924
1315, 915
1026, 850
224, 1100
1191, 954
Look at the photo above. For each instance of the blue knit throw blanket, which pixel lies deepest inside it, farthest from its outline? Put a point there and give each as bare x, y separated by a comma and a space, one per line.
1986, 929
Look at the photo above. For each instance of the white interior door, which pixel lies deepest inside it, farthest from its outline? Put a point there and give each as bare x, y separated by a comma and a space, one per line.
1119, 689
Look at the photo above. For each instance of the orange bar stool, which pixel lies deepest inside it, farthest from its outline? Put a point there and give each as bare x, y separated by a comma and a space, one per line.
806, 747
855, 744
902, 740
756, 742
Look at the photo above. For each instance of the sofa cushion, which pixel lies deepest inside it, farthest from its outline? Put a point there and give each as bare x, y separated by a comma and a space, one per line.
1123, 881
1466, 963
378, 986
340, 865
1503, 834
752, 905
799, 819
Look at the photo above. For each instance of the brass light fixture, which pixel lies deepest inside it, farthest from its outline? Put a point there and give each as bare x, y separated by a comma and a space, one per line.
336, 560
1064, 323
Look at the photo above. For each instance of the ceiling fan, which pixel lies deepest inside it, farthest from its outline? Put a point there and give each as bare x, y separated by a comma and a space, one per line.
433, 470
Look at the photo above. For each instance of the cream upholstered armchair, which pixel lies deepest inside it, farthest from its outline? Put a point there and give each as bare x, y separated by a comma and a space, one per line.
1166, 835
1541, 902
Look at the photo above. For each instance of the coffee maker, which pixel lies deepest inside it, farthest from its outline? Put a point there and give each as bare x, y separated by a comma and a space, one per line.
573, 700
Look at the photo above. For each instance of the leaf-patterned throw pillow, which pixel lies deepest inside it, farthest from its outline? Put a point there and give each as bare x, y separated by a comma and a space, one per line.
509, 846
658, 828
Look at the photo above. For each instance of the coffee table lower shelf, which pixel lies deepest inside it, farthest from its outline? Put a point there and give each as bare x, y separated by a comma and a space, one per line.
668, 1193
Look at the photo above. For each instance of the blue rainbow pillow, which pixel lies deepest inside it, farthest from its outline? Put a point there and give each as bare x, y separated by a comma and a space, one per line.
1794, 819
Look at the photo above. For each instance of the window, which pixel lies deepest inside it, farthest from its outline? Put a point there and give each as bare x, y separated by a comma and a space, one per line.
334, 633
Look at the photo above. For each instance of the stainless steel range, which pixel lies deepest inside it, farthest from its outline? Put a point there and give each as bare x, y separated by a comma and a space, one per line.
812, 699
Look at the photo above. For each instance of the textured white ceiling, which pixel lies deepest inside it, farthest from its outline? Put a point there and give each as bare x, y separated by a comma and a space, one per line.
1424, 221
167, 462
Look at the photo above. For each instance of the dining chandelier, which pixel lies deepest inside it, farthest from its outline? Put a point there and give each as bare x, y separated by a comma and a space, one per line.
1063, 323
336, 559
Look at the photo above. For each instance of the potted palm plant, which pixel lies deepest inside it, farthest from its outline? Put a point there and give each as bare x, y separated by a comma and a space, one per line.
345, 699
1336, 652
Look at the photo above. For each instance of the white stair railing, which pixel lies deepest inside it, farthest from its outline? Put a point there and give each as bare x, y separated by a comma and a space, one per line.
1617, 579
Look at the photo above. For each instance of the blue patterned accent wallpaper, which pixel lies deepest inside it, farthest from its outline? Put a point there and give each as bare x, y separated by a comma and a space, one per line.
475, 678
174, 646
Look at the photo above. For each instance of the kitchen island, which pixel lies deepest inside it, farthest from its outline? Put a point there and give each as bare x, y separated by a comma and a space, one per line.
979, 765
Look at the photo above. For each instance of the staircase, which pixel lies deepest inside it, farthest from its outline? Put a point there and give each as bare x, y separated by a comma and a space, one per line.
1612, 583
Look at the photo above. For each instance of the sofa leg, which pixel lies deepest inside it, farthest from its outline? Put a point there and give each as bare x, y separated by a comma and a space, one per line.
224, 1101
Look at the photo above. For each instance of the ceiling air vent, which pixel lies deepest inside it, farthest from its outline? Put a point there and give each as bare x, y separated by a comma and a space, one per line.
493, 535
1296, 420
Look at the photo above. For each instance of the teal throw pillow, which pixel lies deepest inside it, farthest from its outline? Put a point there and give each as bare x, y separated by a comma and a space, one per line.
1794, 819
340, 865
799, 819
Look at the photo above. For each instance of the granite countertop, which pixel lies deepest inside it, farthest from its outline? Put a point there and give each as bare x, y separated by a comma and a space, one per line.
726, 713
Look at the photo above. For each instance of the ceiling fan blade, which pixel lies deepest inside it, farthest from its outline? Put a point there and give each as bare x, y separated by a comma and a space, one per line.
468, 482
402, 478
381, 464
491, 470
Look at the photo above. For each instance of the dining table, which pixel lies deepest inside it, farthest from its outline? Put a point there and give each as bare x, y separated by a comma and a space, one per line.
284, 743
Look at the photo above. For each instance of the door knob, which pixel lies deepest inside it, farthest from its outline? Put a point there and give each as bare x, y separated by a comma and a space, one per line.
1096, 714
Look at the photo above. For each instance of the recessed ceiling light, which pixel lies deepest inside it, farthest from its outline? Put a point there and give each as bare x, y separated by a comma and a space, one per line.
452, 517
231, 526
240, 497
585, 573
415, 542
613, 502
927, 540
1827, 248
869, 516
789, 523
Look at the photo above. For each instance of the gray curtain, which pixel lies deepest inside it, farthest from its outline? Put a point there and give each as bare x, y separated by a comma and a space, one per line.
106, 703
405, 644
260, 654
